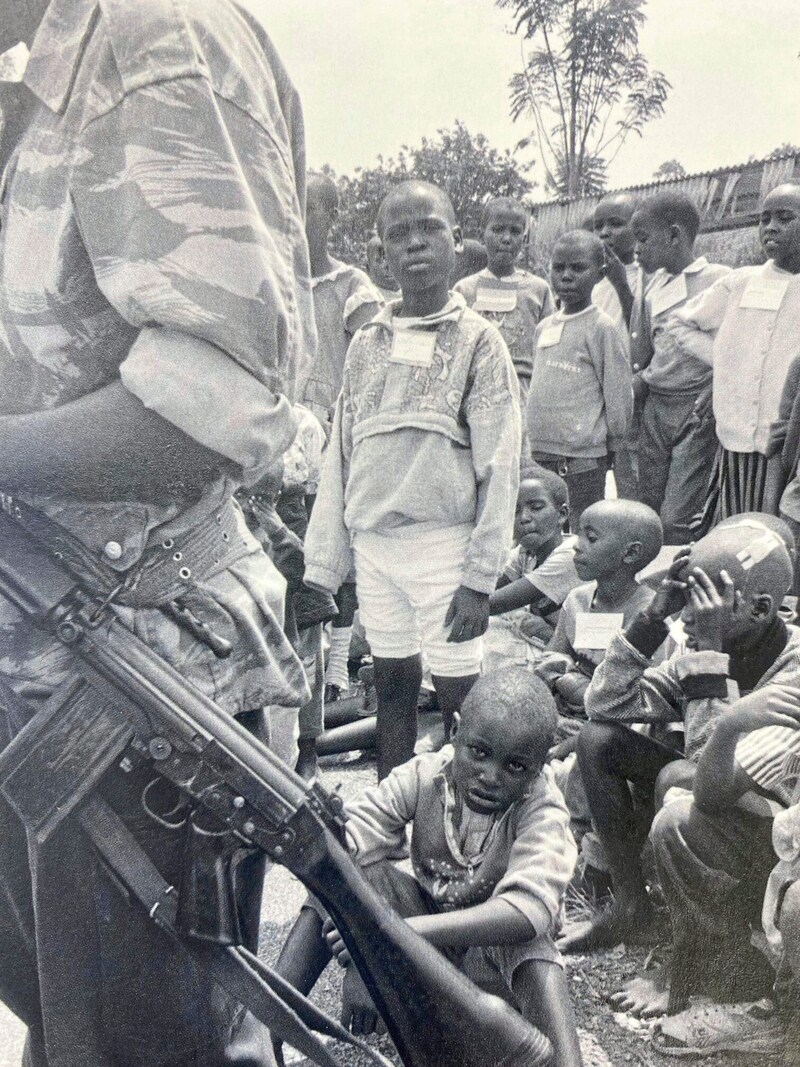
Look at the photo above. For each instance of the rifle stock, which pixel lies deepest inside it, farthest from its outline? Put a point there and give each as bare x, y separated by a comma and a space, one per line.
435, 1015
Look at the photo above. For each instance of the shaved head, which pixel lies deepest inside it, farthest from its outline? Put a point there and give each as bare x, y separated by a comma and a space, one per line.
753, 550
519, 696
322, 190
636, 522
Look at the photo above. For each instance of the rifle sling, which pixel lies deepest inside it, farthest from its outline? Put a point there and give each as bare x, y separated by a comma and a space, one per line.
261, 990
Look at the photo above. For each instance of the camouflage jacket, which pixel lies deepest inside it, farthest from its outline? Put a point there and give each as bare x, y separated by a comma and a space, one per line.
153, 232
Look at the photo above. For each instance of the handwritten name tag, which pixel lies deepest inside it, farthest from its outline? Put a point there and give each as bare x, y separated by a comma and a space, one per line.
667, 296
594, 630
550, 335
765, 294
493, 298
413, 348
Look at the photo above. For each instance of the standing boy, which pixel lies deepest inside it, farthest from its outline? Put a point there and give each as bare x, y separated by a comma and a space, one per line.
513, 299
747, 326
677, 442
581, 398
422, 473
619, 294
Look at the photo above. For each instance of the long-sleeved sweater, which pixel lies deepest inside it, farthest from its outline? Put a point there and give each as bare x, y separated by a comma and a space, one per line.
434, 443
695, 687
581, 396
747, 326
527, 857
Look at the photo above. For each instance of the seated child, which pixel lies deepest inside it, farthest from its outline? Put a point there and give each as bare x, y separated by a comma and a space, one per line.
379, 272
745, 327
513, 299
617, 539
677, 440
581, 399
537, 577
422, 474
729, 586
491, 850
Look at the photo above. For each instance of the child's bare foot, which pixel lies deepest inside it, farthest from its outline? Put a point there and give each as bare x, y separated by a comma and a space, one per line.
645, 996
610, 927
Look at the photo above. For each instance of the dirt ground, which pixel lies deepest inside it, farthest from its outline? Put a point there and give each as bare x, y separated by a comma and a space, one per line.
607, 1040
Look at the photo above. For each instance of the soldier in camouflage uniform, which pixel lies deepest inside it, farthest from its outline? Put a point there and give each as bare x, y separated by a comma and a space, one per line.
155, 309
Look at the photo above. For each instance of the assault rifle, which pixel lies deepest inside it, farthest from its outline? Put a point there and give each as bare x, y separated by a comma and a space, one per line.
126, 706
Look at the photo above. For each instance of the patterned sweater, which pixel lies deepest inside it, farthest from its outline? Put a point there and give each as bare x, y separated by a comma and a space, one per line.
433, 442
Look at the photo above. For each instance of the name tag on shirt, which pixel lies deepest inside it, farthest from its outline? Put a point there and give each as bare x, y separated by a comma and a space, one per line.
494, 298
594, 629
550, 335
413, 348
667, 296
765, 294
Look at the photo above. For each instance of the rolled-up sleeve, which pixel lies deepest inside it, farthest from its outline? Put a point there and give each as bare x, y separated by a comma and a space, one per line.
189, 209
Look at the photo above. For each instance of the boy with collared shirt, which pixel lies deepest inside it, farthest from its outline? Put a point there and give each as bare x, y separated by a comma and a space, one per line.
513, 299
747, 327
581, 398
677, 441
421, 479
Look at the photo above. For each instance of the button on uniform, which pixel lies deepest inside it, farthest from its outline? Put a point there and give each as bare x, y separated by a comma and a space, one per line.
112, 550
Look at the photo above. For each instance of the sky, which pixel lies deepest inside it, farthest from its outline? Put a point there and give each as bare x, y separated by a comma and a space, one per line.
374, 75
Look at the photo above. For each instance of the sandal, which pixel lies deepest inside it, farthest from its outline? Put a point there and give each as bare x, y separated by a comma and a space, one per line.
706, 1028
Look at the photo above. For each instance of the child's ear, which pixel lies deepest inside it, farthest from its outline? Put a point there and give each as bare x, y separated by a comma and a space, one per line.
633, 552
675, 234
563, 512
455, 726
458, 239
761, 607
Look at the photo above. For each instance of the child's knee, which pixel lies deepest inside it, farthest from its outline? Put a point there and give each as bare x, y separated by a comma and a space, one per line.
676, 775
596, 741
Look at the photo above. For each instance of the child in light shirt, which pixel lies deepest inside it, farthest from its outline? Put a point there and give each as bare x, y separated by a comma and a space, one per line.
513, 299
422, 474
677, 440
538, 576
747, 327
491, 853
581, 399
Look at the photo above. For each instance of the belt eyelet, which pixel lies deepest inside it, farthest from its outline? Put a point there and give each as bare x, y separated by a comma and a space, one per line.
185, 573
226, 537
178, 557
167, 543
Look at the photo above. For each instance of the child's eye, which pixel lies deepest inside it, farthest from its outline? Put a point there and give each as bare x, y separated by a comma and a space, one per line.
478, 752
516, 767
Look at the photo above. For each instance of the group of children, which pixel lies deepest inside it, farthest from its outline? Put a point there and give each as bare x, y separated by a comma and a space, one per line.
462, 417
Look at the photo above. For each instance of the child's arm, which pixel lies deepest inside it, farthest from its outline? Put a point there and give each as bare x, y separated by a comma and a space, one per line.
493, 416
327, 545
695, 325
495, 922
378, 816
614, 371
720, 779
778, 430
618, 277
520, 594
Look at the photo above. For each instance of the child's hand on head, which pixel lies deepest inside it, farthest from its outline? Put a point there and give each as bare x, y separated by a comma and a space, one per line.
669, 598
468, 613
615, 269
711, 608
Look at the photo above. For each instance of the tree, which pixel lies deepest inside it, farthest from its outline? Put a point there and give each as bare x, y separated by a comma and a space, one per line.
467, 166
584, 83
670, 168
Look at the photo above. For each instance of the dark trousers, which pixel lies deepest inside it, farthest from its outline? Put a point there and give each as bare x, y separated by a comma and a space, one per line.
93, 978
713, 872
619, 768
585, 488
676, 452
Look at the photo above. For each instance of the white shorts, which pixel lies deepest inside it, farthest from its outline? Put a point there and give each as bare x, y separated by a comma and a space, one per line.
405, 581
